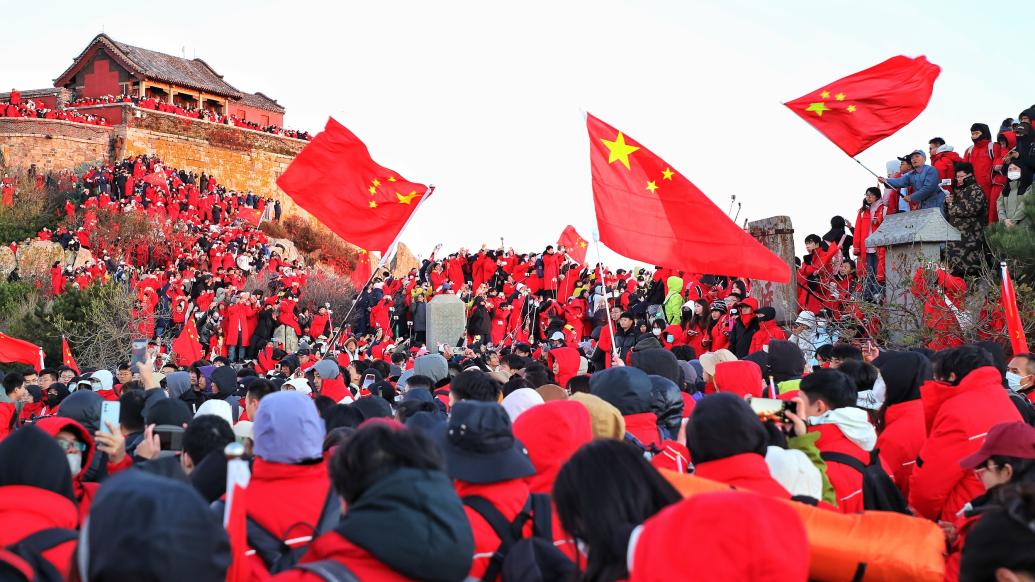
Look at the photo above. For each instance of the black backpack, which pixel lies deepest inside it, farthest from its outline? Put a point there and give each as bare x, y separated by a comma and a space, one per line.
521, 559
329, 570
275, 554
879, 491
23, 560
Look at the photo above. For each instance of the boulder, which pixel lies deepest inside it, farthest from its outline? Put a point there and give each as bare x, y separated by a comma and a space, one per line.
35, 258
284, 247
404, 261
82, 258
7, 260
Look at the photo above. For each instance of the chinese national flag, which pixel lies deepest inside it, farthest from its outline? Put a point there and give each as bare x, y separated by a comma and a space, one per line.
66, 355
861, 109
336, 181
573, 244
649, 212
1013, 316
20, 351
251, 215
187, 345
361, 274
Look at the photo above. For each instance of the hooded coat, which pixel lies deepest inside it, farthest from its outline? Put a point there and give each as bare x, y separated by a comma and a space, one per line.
552, 432
847, 431
567, 360
674, 300
969, 214
739, 377
903, 432
957, 418
981, 155
84, 491
409, 526
36, 495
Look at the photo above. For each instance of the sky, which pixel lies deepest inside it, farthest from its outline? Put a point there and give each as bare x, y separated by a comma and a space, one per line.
485, 100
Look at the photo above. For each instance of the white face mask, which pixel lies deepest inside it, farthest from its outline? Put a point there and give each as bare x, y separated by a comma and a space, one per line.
75, 463
657, 331
1013, 175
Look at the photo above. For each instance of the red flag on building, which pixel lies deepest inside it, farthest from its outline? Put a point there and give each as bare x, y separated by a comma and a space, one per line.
649, 212
1013, 316
336, 181
14, 350
187, 345
574, 244
66, 355
861, 109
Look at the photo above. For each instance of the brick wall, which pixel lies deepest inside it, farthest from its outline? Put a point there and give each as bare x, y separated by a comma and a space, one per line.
52, 144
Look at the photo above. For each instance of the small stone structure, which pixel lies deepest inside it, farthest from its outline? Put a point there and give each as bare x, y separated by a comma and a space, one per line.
776, 233
447, 321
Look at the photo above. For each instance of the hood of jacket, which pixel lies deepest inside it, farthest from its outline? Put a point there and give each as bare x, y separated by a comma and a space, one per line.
903, 373
552, 432
52, 425
786, 360
723, 425
225, 380
106, 379
627, 389
986, 134
178, 383
659, 362
943, 149
934, 393
145, 527
647, 342
568, 361
854, 424
46, 467
84, 407
1011, 139
740, 377
414, 522
667, 404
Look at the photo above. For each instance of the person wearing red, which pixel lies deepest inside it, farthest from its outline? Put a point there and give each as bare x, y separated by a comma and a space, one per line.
900, 421
36, 494
718, 323
79, 450
1005, 143
380, 316
981, 155
238, 333
489, 468
402, 519
289, 485
740, 377
768, 330
728, 444
961, 404
319, 326
830, 397
815, 273
943, 158
943, 305
564, 361
551, 270
870, 260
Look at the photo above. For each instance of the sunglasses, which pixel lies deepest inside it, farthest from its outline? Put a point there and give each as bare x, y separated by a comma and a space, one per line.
71, 446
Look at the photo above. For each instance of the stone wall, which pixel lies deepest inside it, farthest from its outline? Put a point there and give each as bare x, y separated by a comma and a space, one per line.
240, 159
52, 144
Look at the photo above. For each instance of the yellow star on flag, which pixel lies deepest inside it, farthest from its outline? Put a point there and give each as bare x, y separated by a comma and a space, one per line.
391, 178
651, 186
667, 174
406, 199
582, 243
373, 204
376, 182
372, 190
618, 150
850, 108
825, 95
818, 108
840, 96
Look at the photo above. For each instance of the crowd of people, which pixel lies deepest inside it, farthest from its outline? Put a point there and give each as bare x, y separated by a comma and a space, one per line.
185, 110
18, 107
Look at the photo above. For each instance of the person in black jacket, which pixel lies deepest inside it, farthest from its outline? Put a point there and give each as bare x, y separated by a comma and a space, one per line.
744, 328
480, 321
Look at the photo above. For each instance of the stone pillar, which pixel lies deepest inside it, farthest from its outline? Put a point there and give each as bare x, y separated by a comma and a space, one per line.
776, 233
447, 321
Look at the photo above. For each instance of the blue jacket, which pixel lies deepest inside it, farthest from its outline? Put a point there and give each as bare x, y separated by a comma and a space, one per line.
925, 186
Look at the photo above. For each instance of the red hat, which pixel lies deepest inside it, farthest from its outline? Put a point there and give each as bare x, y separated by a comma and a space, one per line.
750, 302
721, 536
1007, 439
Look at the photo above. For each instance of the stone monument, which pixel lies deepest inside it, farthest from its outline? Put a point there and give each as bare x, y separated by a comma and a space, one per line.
776, 233
447, 321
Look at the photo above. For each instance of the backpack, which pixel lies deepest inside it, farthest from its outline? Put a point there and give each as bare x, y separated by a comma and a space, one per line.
23, 560
329, 570
879, 491
274, 552
521, 559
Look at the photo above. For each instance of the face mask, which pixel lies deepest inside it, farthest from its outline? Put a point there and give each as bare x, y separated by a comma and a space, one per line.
75, 463
1013, 175
1013, 381
657, 332
670, 338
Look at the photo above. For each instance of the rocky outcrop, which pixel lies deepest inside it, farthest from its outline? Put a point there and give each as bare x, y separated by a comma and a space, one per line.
404, 261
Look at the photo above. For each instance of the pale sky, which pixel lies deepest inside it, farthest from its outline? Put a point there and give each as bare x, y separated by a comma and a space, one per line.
485, 99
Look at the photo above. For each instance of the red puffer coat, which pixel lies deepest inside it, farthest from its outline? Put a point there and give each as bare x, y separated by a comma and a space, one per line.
744, 471
957, 420
901, 440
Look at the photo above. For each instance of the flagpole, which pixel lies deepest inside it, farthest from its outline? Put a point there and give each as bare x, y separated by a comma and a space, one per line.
864, 167
390, 252
603, 285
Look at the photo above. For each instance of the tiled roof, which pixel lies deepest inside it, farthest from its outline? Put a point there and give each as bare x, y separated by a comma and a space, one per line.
260, 101
30, 93
190, 73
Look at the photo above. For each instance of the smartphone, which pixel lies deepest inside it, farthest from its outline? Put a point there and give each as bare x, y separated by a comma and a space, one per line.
368, 380
138, 354
110, 413
771, 408
170, 437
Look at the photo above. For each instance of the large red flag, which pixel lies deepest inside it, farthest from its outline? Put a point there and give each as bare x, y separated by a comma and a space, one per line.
20, 351
573, 244
861, 109
649, 212
336, 181
361, 274
187, 346
66, 355
1018, 340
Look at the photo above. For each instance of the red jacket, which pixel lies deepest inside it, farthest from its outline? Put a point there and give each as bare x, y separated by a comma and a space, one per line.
25, 510
334, 546
937, 314
509, 498
981, 155
744, 471
866, 223
740, 377
552, 432
84, 492
847, 482
286, 500
566, 360
551, 270
901, 440
944, 162
767, 331
957, 420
